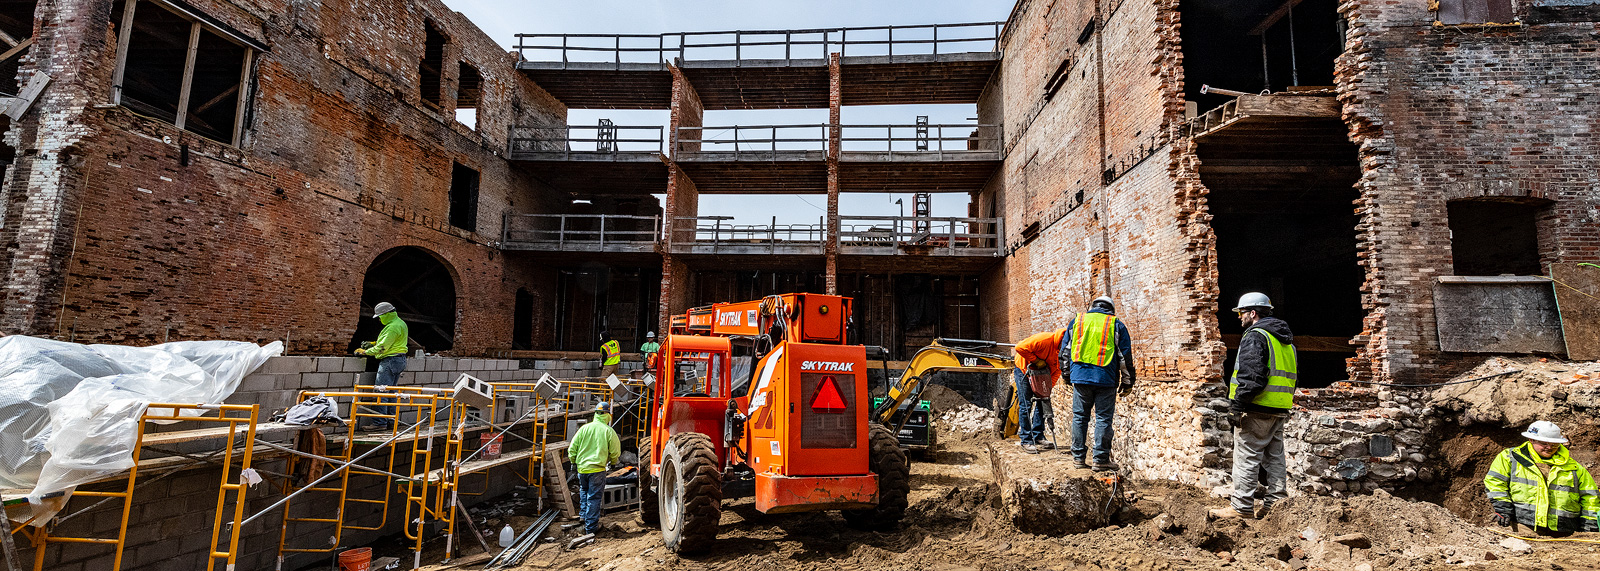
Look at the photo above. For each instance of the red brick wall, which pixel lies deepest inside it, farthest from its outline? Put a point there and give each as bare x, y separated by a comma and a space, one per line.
271, 239
1449, 113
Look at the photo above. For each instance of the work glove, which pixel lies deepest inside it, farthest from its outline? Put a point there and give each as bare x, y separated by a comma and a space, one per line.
361, 351
1501, 520
1504, 514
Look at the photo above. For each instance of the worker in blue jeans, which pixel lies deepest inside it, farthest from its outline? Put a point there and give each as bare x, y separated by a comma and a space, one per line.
390, 351
1098, 355
593, 449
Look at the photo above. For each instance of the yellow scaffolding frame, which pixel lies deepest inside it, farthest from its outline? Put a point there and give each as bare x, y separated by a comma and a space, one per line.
41, 537
432, 493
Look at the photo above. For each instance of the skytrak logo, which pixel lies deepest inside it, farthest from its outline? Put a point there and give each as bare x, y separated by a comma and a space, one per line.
830, 366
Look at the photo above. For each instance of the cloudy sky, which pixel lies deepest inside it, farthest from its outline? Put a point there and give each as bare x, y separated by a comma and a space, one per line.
503, 19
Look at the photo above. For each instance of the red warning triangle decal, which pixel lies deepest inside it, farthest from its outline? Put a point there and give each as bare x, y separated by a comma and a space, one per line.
828, 399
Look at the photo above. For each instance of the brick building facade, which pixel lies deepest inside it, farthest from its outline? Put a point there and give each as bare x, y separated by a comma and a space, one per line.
1390, 131
1393, 145
121, 227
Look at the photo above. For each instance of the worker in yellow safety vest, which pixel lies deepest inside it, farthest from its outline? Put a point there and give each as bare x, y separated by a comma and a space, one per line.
1539, 485
1260, 393
1101, 355
610, 355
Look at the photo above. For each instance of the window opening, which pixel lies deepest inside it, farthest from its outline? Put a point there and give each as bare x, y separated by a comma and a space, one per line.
180, 71
469, 95
696, 374
464, 198
1490, 238
432, 63
1451, 12
522, 321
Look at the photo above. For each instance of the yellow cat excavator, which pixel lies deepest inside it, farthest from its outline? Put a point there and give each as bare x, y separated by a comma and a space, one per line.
953, 356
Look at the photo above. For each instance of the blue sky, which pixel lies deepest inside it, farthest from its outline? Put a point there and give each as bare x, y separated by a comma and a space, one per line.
503, 19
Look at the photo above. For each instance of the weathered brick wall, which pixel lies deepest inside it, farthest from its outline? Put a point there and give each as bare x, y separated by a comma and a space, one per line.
1130, 237
1444, 113
148, 232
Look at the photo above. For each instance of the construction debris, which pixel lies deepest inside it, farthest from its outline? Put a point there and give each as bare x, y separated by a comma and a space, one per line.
1044, 494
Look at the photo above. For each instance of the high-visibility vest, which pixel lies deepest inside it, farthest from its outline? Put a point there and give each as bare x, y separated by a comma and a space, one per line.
612, 351
1566, 501
1282, 374
1094, 338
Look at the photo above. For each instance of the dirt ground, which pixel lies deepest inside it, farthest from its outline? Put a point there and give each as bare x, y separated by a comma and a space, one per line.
954, 524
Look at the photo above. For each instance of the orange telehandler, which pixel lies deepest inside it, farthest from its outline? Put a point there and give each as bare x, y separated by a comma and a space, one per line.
766, 398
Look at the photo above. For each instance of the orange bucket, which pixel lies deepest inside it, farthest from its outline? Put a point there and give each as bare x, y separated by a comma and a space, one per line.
355, 559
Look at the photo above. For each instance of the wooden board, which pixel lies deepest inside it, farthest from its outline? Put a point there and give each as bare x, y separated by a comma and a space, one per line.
1578, 302
558, 476
1509, 314
1288, 106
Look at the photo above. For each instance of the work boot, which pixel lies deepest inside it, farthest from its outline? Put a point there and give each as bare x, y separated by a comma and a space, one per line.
1228, 513
1030, 448
1107, 466
1047, 445
1080, 464
1261, 512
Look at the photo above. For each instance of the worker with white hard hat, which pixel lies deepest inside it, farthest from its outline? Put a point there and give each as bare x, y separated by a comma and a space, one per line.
1539, 485
390, 351
1260, 394
1097, 358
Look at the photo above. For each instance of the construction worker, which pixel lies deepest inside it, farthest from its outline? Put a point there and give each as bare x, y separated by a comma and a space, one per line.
594, 448
1539, 485
1038, 356
390, 351
1097, 345
610, 355
650, 348
1261, 394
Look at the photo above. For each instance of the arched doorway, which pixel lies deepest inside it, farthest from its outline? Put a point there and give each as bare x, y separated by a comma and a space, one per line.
421, 287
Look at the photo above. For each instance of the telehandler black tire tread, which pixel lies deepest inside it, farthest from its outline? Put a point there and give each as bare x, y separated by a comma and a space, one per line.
699, 478
888, 461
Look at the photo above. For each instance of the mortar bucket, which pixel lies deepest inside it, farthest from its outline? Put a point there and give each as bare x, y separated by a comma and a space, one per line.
355, 559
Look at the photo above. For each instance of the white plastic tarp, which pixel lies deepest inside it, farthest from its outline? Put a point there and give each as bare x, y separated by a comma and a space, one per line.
69, 412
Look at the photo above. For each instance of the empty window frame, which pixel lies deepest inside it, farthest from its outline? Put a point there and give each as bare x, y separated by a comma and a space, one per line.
430, 69
464, 198
177, 69
1475, 12
16, 36
1490, 238
469, 94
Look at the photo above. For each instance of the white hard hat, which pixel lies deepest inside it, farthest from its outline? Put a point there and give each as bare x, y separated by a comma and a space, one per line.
1253, 299
650, 335
382, 308
1545, 431
1102, 299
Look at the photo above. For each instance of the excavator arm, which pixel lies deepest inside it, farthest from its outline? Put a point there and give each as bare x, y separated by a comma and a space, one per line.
949, 355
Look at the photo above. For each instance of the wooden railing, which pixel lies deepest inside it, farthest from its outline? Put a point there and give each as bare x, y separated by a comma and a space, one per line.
758, 141
580, 232
741, 45
930, 234
587, 139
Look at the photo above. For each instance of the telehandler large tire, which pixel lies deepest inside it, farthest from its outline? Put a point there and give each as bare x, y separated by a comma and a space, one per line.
649, 504
888, 461
690, 493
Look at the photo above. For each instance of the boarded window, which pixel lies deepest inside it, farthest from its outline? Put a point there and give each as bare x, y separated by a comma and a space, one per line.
464, 198
469, 94
181, 71
1475, 11
1490, 238
430, 69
